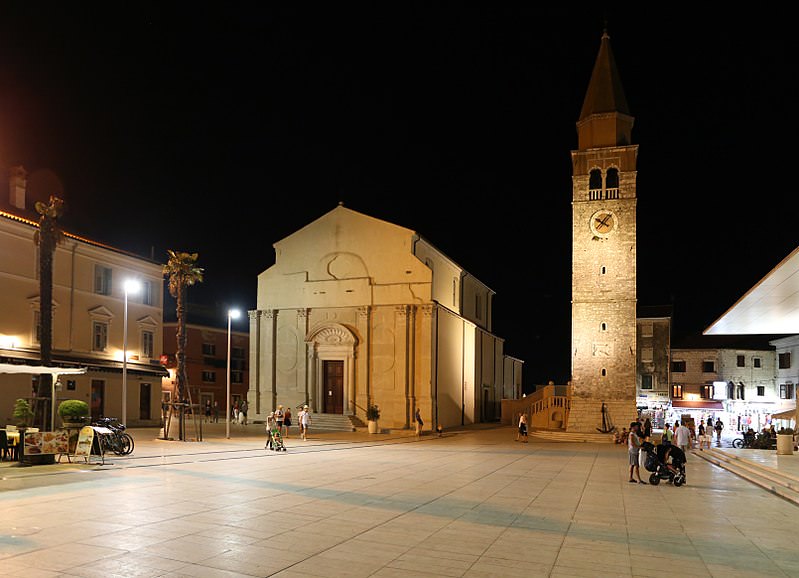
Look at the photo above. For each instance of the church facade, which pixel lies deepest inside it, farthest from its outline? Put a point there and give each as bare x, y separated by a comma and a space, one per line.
357, 312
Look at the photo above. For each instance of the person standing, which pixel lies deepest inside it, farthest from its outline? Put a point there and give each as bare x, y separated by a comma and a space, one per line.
522, 433
279, 417
647, 430
633, 449
419, 423
207, 411
270, 425
306, 421
287, 420
682, 437
668, 434
718, 427
243, 412
216, 412
299, 420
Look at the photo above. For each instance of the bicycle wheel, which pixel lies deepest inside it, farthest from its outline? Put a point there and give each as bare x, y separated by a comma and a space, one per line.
127, 443
119, 444
738, 443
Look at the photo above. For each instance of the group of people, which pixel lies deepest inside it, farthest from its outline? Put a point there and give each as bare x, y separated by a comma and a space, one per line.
280, 420
669, 449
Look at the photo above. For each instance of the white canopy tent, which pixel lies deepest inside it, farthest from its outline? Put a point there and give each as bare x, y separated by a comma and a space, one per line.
39, 370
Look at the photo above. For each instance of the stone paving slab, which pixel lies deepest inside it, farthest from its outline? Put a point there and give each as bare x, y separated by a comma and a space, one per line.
472, 503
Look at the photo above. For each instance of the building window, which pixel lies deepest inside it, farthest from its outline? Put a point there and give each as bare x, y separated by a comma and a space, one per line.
209, 349
784, 360
595, 185
741, 361
756, 362
147, 344
706, 391
71, 385
37, 327
236, 377
708, 366
612, 184
604, 372
209, 376
147, 292
99, 336
603, 326
646, 381
741, 389
676, 391
761, 390
678, 366
786, 391
647, 329
102, 280
646, 354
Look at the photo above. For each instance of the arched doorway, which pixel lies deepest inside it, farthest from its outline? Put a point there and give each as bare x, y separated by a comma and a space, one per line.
332, 350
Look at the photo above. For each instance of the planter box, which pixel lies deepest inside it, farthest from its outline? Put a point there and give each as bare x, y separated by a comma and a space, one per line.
784, 444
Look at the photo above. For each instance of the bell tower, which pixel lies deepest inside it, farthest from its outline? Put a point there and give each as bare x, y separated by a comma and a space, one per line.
603, 255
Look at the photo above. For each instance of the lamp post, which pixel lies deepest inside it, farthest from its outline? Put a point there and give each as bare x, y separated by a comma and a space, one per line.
231, 315
130, 286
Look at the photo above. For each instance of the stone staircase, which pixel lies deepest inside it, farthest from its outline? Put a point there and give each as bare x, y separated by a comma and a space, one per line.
564, 436
334, 422
779, 483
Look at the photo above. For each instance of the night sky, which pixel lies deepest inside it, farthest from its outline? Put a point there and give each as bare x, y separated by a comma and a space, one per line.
220, 130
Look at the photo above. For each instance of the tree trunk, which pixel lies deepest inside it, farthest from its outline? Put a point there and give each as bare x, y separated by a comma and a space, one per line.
180, 357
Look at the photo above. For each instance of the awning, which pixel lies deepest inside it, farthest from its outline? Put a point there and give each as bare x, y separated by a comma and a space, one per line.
697, 404
40, 369
785, 414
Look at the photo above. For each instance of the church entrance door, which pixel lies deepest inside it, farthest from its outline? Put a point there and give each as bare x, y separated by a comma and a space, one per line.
333, 372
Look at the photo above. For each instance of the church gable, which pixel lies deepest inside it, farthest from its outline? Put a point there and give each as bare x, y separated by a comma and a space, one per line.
345, 244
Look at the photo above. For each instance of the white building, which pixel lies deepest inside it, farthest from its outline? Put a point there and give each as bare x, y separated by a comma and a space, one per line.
358, 311
88, 317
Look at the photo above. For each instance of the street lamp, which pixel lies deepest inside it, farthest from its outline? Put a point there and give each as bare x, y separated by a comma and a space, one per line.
130, 286
231, 315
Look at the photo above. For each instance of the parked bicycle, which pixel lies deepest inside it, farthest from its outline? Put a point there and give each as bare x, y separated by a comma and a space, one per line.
118, 441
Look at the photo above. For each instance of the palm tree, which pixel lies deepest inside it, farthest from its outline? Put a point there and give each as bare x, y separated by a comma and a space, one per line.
47, 237
183, 272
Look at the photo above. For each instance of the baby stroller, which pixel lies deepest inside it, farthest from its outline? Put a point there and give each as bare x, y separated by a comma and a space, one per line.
657, 463
277, 440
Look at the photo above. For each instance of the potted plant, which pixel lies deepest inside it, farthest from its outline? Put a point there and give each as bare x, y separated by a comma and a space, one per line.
785, 441
73, 412
372, 415
22, 413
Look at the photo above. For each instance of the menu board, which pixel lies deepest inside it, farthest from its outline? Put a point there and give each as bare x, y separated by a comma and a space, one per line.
85, 440
49, 442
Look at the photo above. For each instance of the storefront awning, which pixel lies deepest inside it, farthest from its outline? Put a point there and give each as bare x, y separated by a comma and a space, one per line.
697, 404
785, 414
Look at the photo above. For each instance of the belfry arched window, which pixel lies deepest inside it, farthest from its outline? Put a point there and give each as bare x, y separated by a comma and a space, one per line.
595, 184
612, 183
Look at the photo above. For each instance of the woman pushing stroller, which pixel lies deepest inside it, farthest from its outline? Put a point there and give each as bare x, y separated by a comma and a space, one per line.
666, 461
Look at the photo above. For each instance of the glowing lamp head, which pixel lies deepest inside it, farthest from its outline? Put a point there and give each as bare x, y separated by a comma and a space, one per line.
234, 313
131, 286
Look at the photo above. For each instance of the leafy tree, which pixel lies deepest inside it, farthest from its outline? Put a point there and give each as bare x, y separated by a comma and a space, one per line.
47, 237
182, 271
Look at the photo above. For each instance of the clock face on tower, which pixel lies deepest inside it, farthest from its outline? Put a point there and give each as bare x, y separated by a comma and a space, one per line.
602, 223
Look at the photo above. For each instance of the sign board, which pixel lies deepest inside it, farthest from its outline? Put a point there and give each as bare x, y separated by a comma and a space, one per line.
85, 440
